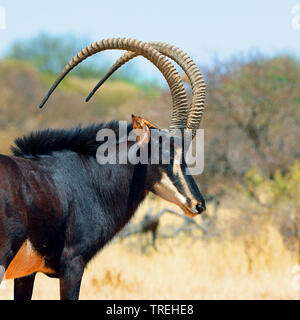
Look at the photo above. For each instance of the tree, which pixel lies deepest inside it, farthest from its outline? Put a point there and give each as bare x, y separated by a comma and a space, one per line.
256, 104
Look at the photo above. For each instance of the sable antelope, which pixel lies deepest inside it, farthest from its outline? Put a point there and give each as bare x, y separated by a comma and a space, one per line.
59, 206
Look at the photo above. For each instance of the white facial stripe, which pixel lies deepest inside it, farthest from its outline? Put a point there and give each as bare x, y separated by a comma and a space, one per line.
178, 171
166, 189
183, 182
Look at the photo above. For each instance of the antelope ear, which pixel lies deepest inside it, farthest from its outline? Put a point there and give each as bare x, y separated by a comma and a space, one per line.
141, 127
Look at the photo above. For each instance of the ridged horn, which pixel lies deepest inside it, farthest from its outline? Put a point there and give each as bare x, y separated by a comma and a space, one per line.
189, 67
179, 98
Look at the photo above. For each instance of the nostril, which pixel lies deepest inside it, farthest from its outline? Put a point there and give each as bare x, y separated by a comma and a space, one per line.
200, 208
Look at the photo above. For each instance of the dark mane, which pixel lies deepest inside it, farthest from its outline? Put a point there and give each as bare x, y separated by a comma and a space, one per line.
80, 139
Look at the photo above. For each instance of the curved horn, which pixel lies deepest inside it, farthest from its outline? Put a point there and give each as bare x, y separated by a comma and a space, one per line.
129, 55
180, 108
189, 67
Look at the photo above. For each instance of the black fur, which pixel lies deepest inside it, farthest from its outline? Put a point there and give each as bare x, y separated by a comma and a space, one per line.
44, 142
55, 194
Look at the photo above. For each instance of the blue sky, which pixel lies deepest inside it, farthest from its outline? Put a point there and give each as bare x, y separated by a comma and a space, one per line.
203, 29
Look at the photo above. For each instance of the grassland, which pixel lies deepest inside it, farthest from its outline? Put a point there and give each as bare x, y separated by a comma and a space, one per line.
183, 268
250, 258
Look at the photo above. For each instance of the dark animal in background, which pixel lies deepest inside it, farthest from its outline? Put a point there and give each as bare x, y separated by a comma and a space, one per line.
149, 224
59, 206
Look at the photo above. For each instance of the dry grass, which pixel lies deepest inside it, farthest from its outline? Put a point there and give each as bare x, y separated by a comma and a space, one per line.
183, 269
